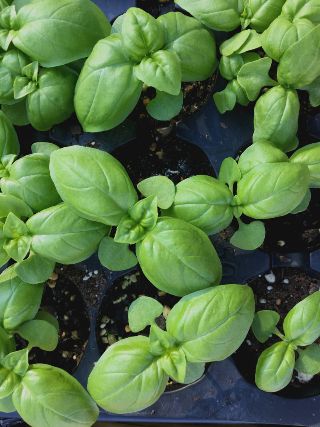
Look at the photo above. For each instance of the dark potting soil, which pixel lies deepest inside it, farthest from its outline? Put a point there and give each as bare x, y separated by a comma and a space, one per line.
294, 233
155, 155
279, 290
112, 323
64, 301
307, 114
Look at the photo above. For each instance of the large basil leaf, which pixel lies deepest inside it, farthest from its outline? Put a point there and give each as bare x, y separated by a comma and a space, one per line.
6, 405
92, 182
46, 337
35, 269
193, 44
14, 293
204, 202
161, 70
9, 143
302, 324
52, 102
309, 156
127, 378
107, 90
295, 73
302, 9
67, 28
282, 34
8, 382
259, 153
59, 234
220, 15
211, 324
50, 396
29, 179
142, 34
11, 65
13, 204
309, 360
174, 265
259, 14
273, 190
275, 367
276, 117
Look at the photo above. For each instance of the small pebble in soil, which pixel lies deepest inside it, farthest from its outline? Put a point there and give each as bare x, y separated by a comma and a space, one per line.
270, 277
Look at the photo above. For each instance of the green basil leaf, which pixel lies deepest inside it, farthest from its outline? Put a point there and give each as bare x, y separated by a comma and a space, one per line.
229, 172
254, 75
49, 318
211, 324
127, 378
13, 227
302, 324
11, 65
264, 324
35, 269
259, 153
51, 102
194, 372
85, 174
188, 267
116, 256
230, 66
9, 140
309, 156
272, 190
282, 34
161, 70
7, 343
17, 362
164, 106
11, 204
142, 34
17, 113
14, 293
117, 25
304, 204
276, 118
220, 15
314, 92
22, 87
60, 235
39, 333
295, 74
204, 202
249, 236
242, 98
241, 42
6, 405
141, 218
46, 148
160, 187
107, 90
174, 363
194, 45
68, 28
18, 248
142, 312
226, 99
275, 367
8, 382
309, 360
302, 9
29, 179
160, 341
49, 395
259, 14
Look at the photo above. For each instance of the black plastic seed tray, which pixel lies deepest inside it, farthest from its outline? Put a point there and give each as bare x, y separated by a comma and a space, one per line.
223, 395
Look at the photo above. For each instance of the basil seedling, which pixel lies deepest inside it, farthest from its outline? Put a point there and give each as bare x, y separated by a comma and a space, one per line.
205, 326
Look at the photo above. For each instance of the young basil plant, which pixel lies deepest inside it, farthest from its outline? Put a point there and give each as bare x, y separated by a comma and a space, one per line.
47, 94
71, 35
205, 326
301, 328
161, 53
268, 185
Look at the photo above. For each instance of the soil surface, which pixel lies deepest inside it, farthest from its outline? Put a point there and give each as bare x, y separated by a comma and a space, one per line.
64, 301
307, 112
112, 323
154, 155
279, 290
294, 233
